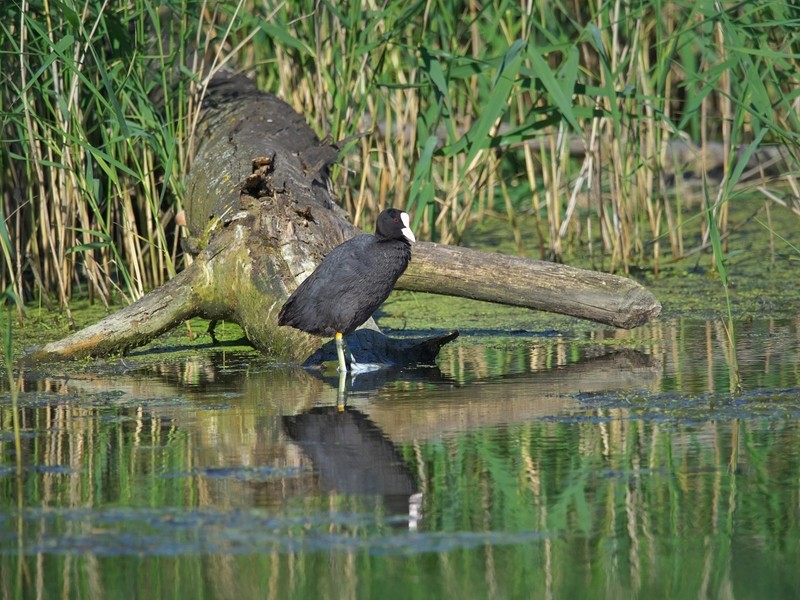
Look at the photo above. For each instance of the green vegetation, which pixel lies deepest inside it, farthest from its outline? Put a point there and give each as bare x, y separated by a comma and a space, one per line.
563, 114
550, 464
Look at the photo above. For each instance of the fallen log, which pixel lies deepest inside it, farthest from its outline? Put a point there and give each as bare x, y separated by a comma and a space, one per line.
261, 216
518, 281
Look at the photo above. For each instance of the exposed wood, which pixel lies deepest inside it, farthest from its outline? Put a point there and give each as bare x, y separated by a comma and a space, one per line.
504, 279
131, 326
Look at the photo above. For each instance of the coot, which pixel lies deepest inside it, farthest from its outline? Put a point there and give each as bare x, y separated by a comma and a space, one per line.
352, 281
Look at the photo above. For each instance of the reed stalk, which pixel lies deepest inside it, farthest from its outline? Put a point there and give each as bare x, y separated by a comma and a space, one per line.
564, 120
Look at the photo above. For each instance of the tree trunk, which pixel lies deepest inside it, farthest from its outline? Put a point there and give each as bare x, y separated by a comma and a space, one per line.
260, 216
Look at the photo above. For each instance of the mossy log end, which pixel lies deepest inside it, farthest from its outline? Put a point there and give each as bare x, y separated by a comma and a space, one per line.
261, 217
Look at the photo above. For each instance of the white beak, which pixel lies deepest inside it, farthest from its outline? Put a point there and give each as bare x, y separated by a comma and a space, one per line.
407, 229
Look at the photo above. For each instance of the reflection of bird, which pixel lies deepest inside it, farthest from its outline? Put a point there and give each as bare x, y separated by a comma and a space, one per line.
351, 455
352, 281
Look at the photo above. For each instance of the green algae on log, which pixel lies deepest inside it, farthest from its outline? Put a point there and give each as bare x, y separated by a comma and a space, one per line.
261, 217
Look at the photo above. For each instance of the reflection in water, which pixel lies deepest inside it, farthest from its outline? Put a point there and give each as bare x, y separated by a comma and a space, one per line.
351, 455
618, 466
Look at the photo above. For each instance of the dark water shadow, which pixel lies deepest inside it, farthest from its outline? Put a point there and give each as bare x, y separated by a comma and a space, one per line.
210, 346
367, 383
351, 455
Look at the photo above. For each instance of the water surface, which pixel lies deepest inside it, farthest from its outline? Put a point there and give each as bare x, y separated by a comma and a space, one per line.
600, 464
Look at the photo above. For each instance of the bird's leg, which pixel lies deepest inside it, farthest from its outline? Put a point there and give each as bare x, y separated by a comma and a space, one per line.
340, 352
341, 397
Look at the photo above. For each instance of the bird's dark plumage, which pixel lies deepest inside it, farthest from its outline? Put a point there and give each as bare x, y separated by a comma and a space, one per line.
353, 280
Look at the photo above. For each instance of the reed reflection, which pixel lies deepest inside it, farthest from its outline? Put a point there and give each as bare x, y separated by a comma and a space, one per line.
633, 465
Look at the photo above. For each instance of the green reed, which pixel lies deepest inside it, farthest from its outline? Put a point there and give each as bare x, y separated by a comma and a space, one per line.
94, 169
564, 120
8, 358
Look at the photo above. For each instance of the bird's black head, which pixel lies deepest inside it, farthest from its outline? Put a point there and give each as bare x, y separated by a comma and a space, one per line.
393, 224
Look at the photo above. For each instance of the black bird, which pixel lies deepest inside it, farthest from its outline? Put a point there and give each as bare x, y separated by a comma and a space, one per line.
351, 282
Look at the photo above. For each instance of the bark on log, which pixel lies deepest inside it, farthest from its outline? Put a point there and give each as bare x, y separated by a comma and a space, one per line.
261, 217
517, 281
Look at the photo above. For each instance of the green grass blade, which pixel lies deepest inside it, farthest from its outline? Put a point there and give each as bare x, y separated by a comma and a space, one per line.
560, 90
477, 138
421, 192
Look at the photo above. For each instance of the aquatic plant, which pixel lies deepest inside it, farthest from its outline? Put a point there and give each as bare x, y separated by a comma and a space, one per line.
583, 126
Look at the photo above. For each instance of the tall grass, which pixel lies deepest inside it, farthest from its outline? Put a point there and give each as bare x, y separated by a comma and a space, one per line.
92, 168
577, 123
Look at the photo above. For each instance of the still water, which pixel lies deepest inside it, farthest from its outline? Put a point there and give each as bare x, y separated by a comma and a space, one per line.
605, 464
